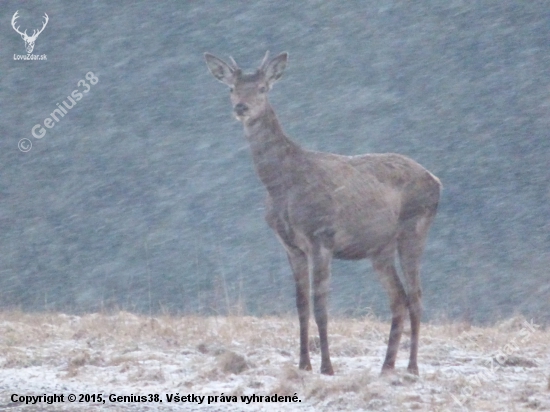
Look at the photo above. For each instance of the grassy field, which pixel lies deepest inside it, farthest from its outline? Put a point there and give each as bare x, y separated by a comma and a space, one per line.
505, 367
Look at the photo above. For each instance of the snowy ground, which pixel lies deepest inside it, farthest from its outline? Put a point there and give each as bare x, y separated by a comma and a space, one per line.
463, 368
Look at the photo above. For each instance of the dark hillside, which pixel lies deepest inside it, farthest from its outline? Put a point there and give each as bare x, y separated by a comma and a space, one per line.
143, 196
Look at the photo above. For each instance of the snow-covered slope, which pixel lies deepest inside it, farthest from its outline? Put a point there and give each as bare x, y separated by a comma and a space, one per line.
501, 368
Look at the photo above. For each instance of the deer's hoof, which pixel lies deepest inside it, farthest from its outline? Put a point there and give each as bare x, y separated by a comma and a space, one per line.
305, 366
387, 370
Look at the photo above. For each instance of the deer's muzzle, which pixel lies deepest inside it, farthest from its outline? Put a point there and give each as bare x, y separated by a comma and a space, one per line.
240, 109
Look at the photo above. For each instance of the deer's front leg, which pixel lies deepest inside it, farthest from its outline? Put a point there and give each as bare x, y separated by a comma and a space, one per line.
298, 262
321, 277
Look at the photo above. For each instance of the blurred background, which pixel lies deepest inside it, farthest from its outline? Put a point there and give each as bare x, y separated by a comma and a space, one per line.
143, 196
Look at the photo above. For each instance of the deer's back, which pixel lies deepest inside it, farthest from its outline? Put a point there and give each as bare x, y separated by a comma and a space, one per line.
371, 176
355, 202
419, 188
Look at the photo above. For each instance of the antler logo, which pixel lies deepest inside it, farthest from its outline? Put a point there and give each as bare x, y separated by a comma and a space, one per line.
29, 40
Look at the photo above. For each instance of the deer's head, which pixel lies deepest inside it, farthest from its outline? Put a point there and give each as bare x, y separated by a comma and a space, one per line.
29, 40
248, 90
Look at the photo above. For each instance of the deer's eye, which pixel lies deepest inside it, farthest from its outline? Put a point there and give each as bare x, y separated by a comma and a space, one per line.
263, 89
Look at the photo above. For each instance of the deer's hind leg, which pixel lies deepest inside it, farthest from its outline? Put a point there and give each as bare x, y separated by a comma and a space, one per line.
384, 265
410, 246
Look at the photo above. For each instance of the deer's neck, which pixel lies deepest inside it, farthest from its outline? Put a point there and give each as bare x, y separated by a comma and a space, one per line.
274, 154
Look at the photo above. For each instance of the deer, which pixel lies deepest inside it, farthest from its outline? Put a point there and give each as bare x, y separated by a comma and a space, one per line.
29, 40
325, 206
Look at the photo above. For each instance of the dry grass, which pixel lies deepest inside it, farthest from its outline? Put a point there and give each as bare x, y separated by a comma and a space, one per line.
479, 368
231, 362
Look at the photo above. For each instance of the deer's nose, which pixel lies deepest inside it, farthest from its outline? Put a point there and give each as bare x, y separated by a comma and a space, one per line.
240, 108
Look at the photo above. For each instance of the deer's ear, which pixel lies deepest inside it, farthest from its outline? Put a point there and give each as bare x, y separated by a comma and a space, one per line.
220, 69
275, 68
